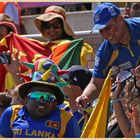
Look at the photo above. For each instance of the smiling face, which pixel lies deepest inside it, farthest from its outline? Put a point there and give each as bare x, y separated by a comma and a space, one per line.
3, 31
39, 108
114, 32
53, 29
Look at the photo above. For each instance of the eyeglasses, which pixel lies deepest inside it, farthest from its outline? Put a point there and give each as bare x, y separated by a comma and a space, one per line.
36, 95
46, 25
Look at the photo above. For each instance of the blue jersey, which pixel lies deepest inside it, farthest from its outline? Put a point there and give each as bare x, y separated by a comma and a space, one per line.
127, 57
80, 118
60, 123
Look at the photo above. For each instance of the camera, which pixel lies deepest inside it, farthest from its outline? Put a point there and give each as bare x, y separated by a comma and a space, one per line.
5, 58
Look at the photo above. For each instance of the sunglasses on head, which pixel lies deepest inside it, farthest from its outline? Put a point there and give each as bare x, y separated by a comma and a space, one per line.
36, 95
47, 25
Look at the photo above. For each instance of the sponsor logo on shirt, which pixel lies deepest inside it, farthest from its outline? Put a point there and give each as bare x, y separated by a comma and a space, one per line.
97, 59
52, 124
126, 65
33, 133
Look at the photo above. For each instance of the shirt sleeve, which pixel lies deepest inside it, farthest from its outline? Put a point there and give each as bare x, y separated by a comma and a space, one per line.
80, 119
5, 129
73, 130
102, 58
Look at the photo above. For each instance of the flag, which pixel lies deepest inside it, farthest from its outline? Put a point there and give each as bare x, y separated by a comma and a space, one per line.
97, 123
28, 50
71, 53
64, 53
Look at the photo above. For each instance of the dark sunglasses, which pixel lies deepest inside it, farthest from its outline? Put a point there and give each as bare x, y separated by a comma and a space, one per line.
47, 25
36, 95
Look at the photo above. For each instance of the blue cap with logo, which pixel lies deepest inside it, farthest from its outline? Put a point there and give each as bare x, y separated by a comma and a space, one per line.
103, 14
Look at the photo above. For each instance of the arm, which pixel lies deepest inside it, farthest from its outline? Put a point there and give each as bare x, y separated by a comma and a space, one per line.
91, 92
5, 129
14, 68
135, 119
122, 119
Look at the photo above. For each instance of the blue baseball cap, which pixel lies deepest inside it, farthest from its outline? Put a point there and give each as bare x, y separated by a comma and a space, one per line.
103, 14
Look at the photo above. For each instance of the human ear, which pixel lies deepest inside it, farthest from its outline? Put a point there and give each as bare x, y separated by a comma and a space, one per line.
120, 20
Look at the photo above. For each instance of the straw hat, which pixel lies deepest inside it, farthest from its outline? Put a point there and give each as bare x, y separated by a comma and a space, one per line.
5, 20
4, 17
51, 13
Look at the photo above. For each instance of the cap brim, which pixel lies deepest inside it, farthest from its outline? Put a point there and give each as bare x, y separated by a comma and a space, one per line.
98, 27
24, 88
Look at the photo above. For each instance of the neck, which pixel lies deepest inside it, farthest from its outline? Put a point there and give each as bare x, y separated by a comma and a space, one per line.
127, 36
73, 105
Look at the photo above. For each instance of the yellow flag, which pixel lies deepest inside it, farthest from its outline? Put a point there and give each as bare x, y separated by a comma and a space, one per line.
97, 123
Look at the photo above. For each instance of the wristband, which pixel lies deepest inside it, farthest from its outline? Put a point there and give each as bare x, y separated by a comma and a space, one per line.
115, 101
137, 135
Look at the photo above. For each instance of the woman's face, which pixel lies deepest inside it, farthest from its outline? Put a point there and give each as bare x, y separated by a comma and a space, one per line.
3, 31
53, 29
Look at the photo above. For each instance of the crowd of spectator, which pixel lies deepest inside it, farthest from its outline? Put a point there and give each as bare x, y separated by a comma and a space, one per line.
57, 102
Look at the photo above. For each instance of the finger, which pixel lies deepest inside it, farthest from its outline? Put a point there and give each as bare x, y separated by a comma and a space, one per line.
17, 57
79, 103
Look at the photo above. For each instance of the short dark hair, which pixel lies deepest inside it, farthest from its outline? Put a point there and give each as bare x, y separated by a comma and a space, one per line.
5, 99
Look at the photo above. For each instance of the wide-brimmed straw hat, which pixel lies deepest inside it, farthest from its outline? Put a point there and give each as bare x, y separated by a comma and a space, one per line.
5, 20
51, 13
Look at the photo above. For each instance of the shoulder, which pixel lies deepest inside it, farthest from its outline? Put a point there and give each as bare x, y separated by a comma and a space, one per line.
8, 110
65, 113
105, 50
133, 22
105, 46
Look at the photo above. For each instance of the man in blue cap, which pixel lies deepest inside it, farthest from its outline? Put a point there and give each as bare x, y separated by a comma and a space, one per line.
120, 48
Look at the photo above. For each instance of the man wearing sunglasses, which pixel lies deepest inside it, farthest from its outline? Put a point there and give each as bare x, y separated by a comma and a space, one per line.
40, 117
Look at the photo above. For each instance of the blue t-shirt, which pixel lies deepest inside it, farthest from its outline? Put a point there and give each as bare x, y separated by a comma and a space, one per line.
48, 127
80, 118
127, 59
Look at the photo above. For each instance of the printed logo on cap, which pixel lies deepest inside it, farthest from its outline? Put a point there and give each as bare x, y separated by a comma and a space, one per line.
75, 79
97, 18
112, 11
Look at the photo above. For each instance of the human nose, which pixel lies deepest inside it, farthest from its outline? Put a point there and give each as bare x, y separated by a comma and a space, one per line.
42, 100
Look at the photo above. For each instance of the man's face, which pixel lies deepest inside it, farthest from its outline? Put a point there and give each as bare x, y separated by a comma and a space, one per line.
72, 91
40, 105
113, 31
